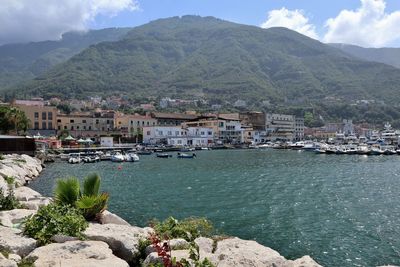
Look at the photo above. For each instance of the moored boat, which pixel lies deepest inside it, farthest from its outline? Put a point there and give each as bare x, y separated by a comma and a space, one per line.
186, 156
163, 155
117, 156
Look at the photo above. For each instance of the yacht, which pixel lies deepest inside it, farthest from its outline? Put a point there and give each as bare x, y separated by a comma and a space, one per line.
74, 158
117, 156
363, 149
131, 156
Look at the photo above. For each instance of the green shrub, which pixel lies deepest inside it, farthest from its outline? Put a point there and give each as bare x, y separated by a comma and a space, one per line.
2, 156
26, 263
8, 202
188, 229
55, 219
85, 198
9, 180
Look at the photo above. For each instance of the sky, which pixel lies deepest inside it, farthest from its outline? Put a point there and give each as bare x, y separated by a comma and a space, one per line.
368, 23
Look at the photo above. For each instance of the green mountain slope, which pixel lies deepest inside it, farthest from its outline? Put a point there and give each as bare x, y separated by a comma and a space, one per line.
390, 56
21, 62
195, 56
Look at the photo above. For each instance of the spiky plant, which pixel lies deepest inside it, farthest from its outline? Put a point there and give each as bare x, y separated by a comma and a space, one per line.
67, 191
91, 185
92, 206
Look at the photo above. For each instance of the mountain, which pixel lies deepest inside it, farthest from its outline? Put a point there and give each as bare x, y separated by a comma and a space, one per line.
390, 56
193, 56
21, 62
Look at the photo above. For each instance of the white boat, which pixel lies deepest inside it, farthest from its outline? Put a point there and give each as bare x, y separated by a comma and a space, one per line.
131, 156
265, 146
310, 146
363, 149
117, 156
74, 158
91, 159
297, 145
376, 151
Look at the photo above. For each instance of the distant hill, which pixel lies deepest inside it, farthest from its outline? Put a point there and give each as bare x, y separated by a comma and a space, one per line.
206, 57
390, 56
21, 62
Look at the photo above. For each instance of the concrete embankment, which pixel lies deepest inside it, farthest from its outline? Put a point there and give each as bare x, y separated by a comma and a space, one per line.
113, 241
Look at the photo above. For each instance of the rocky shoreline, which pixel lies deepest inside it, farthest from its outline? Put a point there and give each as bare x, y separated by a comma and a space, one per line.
113, 241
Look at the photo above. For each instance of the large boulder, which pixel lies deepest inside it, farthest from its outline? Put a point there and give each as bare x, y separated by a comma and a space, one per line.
76, 253
174, 244
152, 259
12, 240
245, 253
12, 218
122, 239
110, 218
7, 263
305, 261
24, 193
205, 245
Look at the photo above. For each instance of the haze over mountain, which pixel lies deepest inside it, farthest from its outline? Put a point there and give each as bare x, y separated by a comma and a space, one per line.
390, 56
21, 62
206, 57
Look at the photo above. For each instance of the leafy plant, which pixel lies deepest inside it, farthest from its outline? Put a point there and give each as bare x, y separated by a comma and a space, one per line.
188, 229
67, 191
55, 219
89, 201
9, 180
26, 262
2, 156
8, 202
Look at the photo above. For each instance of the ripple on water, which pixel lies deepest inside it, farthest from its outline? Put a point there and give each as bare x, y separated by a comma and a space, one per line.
341, 210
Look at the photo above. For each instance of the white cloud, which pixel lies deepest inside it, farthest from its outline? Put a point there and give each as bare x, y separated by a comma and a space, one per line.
36, 20
367, 26
291, 19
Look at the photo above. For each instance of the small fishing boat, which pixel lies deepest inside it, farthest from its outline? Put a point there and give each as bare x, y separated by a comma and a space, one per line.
186, 156
74, 158
91, 159
163, 155
117, 156
144, 152
131, 156
375, 151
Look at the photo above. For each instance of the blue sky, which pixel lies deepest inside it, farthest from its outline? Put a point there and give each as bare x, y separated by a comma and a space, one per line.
369, 23
253, 12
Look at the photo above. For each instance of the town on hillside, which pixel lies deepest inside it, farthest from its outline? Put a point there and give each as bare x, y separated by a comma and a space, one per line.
87, 124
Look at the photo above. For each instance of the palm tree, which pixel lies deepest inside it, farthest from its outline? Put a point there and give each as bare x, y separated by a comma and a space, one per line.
18, 119
87, 198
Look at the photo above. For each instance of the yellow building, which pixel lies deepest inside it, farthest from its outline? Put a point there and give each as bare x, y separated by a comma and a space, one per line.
87, 124
41, 117
130, 125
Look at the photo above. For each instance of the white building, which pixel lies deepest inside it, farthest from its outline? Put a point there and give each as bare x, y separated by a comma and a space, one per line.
106, 141
178, 136
280, 126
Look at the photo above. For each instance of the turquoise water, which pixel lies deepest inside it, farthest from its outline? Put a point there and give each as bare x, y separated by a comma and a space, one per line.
343, 210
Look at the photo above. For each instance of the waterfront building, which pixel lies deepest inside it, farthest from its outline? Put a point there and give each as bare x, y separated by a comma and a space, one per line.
131, 125
254, 119
42, 118
171, 119
298, 128
178, 135
280, 126
226, 127
94, 124
254, 137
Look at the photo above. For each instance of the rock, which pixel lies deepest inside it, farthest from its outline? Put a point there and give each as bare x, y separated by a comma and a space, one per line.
122, 239
153, 258
76, 253
11, 239
36, 203
205, 244
305, 261
110, 218
245, 253
14, 257
24, 193
10, 218
63, 238
8, 263
3, 185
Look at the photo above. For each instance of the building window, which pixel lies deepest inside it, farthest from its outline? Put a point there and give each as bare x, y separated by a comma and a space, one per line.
84, 127
154, 123
59, 120
72, 127
142, 123
148, 132
44, 115
36, 115
71, 121
36, 125
202, 133
65, 127
59, 127
90, 127
50, 125
84, 121
77, 127
179, 142
97, 121
209, 133
177, 133
161, 132
43, 125
50, 116
148, 123
169, 132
